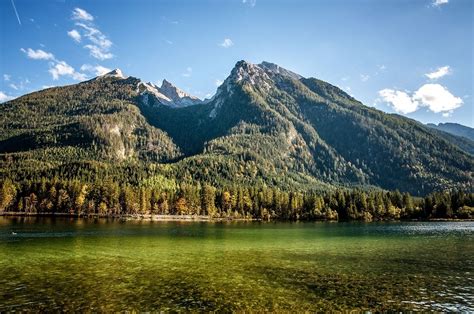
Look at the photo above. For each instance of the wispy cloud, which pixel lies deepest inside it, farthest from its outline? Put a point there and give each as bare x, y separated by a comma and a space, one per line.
16, 12
251, 3
188, 73
4, 97
226, 43
81, 14
100, 44
95, 36
18, 85
438, 3
169, 21
98, 52
95, 70
435, 97
439, 73
7, 77
364, 77
37, 54
74, 34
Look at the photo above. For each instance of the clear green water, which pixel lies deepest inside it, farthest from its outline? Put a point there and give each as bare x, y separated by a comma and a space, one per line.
108, 265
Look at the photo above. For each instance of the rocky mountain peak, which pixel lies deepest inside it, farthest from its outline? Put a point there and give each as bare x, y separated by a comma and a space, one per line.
179, 97
116, 73
247, 72
276, 69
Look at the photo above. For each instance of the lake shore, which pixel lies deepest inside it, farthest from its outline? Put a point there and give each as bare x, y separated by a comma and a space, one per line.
149, 217
197, 218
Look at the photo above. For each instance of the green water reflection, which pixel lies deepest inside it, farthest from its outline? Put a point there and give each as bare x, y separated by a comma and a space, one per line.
109, 265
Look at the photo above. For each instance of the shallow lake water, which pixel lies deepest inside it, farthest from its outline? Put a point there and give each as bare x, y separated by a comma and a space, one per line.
111, 265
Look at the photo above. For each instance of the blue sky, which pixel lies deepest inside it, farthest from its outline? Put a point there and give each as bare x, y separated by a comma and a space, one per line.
414, 57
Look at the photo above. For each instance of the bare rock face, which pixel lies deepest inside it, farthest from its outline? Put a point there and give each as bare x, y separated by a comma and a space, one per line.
178, 97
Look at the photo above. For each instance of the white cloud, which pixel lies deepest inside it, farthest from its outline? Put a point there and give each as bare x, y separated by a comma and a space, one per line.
74, 34
38, 54
4, 97
251, 3
98, 53
439, 73
227, 43
81, 14
188, 73
61, 68
57, 67
96, 36
95, 70
400, 101
6, 77
100, 44
19, 85
47, 86
438, 3
218, 82
345, 78
364, 77
382, 67
437, 98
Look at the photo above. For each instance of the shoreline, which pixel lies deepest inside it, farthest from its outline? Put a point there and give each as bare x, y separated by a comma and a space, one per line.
148, 217
201, 218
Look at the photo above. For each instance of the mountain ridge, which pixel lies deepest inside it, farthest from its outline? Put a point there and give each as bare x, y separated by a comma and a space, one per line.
454, 129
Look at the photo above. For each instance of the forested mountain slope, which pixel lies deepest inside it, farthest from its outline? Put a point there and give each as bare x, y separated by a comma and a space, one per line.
265, 126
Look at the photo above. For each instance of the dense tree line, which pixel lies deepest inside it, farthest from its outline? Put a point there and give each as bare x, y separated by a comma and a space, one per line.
109, 198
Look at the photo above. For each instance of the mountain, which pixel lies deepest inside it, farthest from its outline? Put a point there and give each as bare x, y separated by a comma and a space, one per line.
455, 129
177, 96
457, 134
265, 126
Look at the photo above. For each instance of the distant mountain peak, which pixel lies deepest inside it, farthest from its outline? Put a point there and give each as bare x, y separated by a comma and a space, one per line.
455, 129
179, 97
146, 89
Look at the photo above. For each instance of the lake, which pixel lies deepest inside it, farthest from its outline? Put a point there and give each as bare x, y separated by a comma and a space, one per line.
112, 265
